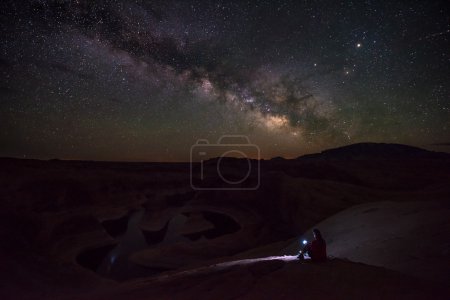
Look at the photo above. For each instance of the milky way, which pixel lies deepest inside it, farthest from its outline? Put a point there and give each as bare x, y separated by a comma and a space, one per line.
143, 80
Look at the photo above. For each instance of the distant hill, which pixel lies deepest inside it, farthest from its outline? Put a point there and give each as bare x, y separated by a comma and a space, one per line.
376, 151
278, 158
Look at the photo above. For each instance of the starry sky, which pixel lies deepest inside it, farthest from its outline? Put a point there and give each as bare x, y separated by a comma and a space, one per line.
143, 80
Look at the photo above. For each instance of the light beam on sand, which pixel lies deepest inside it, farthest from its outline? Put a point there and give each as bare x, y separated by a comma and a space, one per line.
224, 265
255, 260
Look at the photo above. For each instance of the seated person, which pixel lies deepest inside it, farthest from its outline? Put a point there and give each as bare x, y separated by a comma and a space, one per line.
317, 249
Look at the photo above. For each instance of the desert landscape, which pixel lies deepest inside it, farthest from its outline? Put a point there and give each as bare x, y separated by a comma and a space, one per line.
103, 230
224, 149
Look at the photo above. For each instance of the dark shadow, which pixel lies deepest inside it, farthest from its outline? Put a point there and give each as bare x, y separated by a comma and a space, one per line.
116, 227
92, 258
223, 225
179, 199
155, 237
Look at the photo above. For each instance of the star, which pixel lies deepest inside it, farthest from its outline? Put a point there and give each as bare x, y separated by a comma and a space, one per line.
162, 76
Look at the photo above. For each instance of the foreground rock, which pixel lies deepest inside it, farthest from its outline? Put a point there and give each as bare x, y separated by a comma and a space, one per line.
411, 237
278, 278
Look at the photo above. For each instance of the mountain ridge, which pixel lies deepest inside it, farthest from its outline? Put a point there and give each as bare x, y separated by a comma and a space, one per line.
376, 151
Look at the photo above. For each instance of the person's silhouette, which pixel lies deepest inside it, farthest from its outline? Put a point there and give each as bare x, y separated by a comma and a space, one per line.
316, 249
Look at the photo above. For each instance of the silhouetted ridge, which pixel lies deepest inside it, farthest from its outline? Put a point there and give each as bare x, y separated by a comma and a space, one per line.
278, 158
376, 151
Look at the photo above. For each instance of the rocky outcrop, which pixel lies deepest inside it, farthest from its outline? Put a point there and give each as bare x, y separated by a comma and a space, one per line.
279, 278
410, 237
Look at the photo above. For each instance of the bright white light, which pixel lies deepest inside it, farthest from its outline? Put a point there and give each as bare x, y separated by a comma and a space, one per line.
305, 242
253, 260
358, 45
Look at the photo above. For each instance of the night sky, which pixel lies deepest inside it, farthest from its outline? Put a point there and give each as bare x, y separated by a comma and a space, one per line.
143, 80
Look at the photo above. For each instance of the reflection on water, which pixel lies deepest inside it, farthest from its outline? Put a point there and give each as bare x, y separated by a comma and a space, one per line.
116, 264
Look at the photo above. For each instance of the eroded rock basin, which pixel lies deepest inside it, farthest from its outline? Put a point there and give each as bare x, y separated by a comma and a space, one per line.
113, 261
